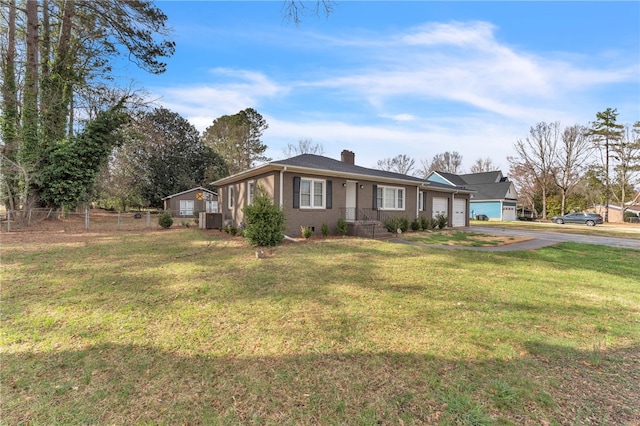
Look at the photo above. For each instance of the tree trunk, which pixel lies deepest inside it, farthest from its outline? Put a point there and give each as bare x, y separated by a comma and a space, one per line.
30, 92
10, 122
607, 185
57, 85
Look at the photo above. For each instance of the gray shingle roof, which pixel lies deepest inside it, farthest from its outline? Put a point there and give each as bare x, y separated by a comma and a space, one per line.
491, 191
454, 179
319, 162
488, 185
479, 178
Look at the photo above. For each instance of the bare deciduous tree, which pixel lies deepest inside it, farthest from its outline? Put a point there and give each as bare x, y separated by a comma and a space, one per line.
305, 146
536, 154
626, 154
571, 160
448, 162
399, 164
295, 10
483, 165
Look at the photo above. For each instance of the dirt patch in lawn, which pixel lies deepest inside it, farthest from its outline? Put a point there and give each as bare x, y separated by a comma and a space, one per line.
464, 239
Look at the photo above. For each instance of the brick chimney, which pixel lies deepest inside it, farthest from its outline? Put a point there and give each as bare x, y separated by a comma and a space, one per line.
348, 157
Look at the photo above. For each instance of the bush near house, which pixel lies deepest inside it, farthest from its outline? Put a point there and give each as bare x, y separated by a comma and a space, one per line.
441, 221
264, 221
341, 227
393, 223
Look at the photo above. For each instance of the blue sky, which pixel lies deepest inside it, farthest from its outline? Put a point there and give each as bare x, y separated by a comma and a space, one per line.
387, 77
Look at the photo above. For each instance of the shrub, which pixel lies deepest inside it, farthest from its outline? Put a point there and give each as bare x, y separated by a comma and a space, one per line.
165, 220
415, 224
393, 224
441, 221
186, 224
341, 227
306, 231
264, 221
231, 230
425, 223
403, 224
324, 230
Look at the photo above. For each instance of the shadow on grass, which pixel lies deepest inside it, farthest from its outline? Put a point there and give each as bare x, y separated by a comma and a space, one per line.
127, 384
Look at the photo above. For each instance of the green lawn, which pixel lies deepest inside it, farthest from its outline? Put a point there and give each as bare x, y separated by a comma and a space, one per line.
457, 238
181, 327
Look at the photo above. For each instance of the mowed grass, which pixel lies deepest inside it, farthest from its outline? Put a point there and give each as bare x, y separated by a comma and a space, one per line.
458, 238
185, 327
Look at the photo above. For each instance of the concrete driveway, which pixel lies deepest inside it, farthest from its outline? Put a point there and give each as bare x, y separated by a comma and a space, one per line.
539, 239
552, 237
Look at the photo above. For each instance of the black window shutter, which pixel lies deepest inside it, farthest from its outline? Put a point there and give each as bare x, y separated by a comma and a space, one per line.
375, 197
296, 192
329, 203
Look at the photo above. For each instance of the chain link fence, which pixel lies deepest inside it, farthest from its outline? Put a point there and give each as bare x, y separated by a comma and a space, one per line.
95, 220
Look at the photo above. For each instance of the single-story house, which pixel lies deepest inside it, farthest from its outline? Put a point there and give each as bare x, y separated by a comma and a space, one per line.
314, 190
495, 195
615, 212
191, 202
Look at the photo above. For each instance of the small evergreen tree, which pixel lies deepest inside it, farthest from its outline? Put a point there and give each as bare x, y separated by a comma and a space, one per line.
165, 220
264, 221
341, 227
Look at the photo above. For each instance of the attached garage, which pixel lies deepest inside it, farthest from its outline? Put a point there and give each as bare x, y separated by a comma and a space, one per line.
440, 206
459, 213
508, 212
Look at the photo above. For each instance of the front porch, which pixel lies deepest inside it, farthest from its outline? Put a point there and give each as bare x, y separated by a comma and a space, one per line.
366, 223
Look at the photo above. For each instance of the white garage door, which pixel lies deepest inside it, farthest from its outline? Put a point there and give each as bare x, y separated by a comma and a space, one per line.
459, 213
508, 213
440, 206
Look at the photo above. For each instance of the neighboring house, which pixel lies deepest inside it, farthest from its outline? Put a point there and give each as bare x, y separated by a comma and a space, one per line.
615, 212
495, 195
191, 202
313, 190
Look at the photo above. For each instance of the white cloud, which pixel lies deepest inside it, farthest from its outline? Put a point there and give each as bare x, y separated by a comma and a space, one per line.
433, 88
233, 91
478, 71
472, 137
473, 34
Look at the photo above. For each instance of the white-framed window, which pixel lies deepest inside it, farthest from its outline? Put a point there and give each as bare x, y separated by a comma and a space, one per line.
390, 198
211, 206
230, 198
186, 207
312, 193
251, 189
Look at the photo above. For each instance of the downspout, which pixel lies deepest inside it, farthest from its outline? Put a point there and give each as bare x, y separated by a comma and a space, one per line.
281, 196
453, 203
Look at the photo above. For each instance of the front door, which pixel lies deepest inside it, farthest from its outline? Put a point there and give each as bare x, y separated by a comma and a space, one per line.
350, 211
